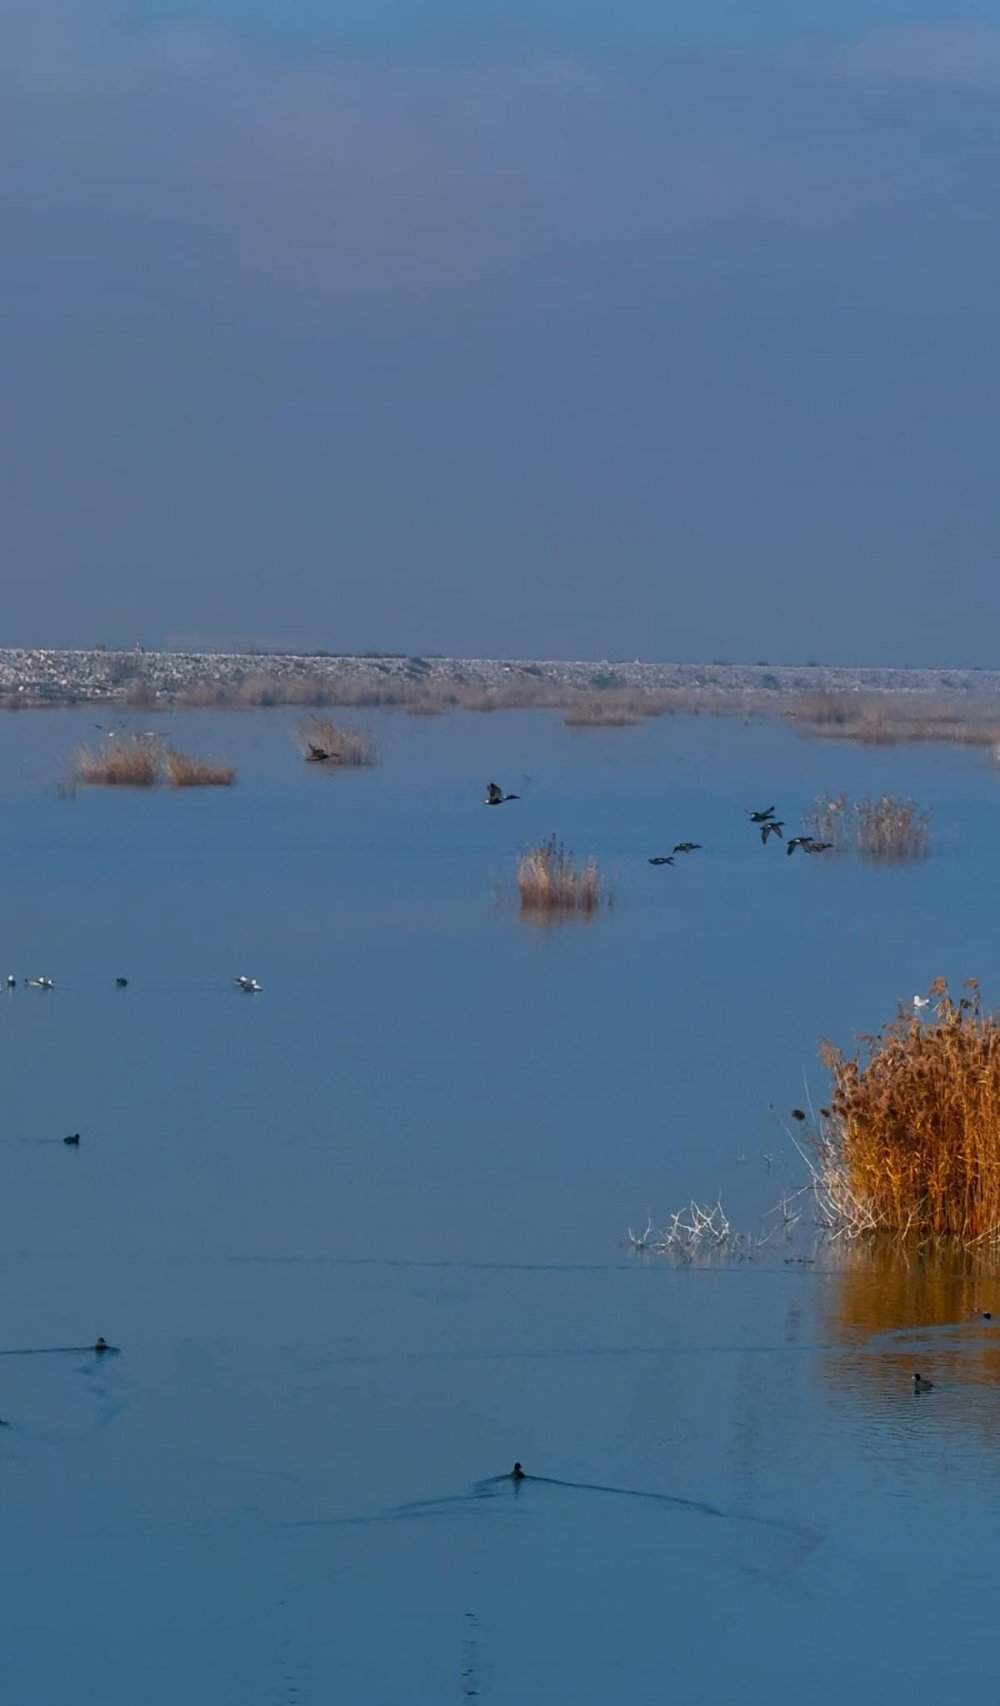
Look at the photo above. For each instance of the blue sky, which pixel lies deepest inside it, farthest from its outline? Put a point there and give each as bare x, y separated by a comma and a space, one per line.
561, 331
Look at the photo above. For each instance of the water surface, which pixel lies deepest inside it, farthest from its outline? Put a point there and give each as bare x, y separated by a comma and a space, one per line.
360, 1237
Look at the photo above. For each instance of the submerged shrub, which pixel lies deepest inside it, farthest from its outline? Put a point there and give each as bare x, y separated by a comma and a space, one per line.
128, 761
883, 828
186, 771
549, 880
911, 1140
892, 829
323, 741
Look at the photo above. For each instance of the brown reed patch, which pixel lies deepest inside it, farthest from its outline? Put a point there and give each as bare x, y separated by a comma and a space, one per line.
128, 761
609, 710
550, 880
185, 771
883, 828
324, 742
911, 1145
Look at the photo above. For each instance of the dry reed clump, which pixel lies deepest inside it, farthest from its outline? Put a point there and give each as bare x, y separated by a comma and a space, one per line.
130, 761
323, 741
549, 880
884, 828
911, 1141
185, 771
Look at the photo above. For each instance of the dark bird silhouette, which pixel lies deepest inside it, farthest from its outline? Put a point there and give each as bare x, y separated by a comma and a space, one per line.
773, 826
662, 859
761, 817
796, 841
984, 1314
495, 795
317, 754
517, 1473
102, 1346
797, 1114
922, 1385
74, 1140
687, 847
121, 982
811, 846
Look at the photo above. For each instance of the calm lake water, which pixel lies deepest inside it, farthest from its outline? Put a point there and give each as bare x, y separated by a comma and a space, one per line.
360, 1238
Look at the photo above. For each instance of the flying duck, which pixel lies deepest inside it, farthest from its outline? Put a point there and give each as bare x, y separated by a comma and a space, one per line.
495, 795
761, 817
687, 847
811, 846
663, 859
771, 826
796, 841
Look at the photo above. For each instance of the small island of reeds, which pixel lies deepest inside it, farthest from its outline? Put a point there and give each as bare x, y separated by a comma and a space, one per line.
142, 761
129, 761
184, 770
322, 741
550, 880
883, 829
910, 1143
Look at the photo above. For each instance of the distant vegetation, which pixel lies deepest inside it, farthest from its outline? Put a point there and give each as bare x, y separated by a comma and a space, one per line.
883, 828
885, 719
141, 761
322, 741
550, 880
911, 1141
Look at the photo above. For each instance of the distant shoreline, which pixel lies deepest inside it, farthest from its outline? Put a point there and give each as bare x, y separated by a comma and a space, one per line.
152, 679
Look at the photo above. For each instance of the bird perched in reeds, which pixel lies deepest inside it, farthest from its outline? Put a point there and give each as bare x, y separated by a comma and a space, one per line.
74, 1140
662, 859
773, 826
495, 795
687, 847
761, 817
922, 1385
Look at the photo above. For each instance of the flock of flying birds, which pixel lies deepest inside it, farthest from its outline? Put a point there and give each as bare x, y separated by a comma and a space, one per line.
769, 825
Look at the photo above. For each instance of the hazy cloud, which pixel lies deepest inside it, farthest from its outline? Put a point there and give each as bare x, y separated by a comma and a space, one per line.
690, 354
385, 175
961, 56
